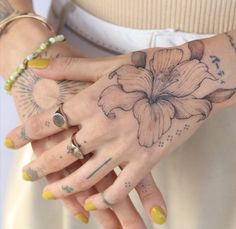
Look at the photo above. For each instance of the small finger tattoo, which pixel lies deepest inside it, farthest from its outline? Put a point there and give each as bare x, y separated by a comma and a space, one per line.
47, 123
23, 135
128, 184
67, 189
98, 168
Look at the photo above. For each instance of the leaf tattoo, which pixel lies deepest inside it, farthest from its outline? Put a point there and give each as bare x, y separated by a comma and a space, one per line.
161, 91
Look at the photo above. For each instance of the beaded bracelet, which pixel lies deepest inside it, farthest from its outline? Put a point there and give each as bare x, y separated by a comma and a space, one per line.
22, 67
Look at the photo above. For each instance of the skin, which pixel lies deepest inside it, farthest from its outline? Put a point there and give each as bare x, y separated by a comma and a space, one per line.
132, 114
45, 95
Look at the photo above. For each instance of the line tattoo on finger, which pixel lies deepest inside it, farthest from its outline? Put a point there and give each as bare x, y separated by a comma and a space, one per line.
99, 168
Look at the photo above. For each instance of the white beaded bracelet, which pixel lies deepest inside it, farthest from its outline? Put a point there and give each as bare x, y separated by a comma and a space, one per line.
22, 67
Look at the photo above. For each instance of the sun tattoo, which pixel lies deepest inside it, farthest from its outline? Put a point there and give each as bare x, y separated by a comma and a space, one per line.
161, 90
31, 101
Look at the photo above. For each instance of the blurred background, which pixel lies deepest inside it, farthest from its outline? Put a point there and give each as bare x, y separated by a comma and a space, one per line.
9, 120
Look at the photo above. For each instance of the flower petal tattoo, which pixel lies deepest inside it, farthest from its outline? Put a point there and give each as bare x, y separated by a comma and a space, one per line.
162, 91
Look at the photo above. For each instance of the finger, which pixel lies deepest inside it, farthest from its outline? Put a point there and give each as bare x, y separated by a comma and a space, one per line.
83, 178
58, 157
70, 202
124, 208
106, 218
120, 189
152, 199
72, 68
42, 125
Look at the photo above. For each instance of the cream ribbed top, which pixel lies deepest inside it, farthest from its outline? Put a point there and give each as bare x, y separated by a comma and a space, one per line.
200, 16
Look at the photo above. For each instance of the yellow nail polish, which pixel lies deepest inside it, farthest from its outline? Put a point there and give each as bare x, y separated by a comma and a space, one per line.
158, 215
89, 207
25, 176
9, 143
47, 196
82, 218
38, 63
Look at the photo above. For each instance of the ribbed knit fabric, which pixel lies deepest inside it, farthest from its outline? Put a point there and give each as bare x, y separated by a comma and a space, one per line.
195, 16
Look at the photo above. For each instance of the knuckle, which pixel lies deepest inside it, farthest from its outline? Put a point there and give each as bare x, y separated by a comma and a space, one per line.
53, 162
82, 184
34, 127
116, 198
66, 63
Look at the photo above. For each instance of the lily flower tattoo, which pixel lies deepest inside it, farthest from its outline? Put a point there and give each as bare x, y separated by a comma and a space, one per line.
161, 90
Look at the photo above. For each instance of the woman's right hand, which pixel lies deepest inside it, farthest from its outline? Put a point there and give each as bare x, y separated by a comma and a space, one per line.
43, 94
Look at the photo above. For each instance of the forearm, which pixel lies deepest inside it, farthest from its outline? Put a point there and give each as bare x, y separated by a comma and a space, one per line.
21, 5
220, 57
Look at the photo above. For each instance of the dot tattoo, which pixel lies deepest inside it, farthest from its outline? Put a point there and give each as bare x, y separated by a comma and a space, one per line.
47, 123
178, 132
169, 138
161, 144
127, 184
186, 127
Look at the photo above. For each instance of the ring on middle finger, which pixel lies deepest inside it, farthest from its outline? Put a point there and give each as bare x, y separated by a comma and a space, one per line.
74, 147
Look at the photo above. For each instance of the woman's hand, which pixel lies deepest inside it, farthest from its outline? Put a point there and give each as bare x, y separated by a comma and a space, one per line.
142, 106
34, 95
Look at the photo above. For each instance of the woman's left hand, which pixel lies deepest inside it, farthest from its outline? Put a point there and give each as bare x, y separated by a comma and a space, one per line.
141, 106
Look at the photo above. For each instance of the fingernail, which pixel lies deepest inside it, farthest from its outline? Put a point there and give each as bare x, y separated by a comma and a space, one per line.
25, 176
158, 215
82, 218
38, 63
47, 196
9, 143
89, 207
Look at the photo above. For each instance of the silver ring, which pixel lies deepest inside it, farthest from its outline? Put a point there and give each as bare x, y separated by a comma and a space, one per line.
59, 117
74, 148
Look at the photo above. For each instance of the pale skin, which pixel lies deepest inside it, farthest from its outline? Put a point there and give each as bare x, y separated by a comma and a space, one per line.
13, 50
143, 104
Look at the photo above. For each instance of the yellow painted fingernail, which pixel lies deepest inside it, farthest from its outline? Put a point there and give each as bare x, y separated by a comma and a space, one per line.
25, 176
47, 196
82, 218
158, 215
38, 63
9, 143
89, 207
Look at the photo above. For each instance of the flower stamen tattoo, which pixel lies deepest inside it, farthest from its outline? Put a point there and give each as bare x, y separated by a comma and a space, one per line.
161, 90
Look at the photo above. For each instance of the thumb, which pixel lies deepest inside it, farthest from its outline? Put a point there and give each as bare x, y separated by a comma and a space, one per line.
74, 68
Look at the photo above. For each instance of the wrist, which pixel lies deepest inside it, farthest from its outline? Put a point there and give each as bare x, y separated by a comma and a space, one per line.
20, 39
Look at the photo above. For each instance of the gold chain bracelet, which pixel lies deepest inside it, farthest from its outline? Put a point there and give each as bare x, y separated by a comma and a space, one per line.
16, 16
